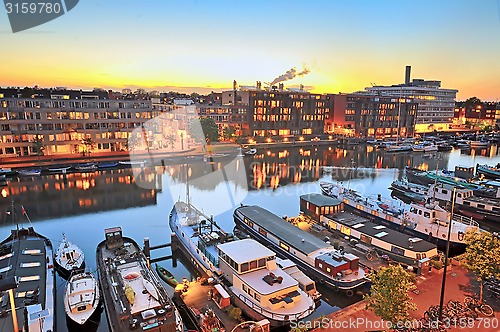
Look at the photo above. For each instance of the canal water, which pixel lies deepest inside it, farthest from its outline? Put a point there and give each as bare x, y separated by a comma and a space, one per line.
82, 205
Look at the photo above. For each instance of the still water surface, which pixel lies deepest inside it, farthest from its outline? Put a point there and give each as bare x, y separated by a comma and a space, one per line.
83, 205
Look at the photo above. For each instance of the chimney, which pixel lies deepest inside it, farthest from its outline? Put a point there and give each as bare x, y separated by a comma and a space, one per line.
301, 87
407, 75
281, 86
259, 84
234, 85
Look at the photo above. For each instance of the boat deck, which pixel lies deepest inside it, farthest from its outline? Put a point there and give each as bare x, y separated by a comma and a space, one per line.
197, 297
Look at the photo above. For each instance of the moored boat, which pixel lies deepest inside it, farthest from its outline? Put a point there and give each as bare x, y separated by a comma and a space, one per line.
69, 258
7, 172
490, 172
334, 268
479, 144
241, 266
251, 152
425, 147
427, 221
29, 172
82, 297
166, 276
27, 271
107, 165
59, 169
86, 167
133, 295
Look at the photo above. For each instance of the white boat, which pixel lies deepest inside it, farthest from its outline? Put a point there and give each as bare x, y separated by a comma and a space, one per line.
69, 258
140, 163
82, 297
258, 286
479, 144
398, 148
63, 169
251, 152
425, 147
427, 221
30, 172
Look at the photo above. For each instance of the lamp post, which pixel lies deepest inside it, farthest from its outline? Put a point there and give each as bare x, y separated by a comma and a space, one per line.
443, 285
8, 284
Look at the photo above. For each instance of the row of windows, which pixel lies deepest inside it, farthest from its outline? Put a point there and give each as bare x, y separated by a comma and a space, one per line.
30, 103
250, 292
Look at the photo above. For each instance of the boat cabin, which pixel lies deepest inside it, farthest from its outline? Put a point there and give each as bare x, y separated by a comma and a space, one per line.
444, 192
464, 172
316, 205
252, 270
337, 264
114, 237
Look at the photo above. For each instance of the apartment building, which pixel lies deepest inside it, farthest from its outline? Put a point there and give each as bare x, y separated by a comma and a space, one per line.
62, 119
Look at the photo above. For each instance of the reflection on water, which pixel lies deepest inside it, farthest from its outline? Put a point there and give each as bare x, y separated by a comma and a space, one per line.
52, 196
275, 178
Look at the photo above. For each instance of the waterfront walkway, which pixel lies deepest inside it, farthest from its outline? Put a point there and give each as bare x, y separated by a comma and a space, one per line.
62, 159
459, 284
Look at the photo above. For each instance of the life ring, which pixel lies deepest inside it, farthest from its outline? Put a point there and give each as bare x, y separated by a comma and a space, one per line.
349, 292
461, 236
369, 256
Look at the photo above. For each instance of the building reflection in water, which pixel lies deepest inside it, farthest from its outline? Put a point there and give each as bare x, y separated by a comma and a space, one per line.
58, 195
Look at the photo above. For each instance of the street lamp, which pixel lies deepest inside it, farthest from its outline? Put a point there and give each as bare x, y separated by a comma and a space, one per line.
8, 284
441, 299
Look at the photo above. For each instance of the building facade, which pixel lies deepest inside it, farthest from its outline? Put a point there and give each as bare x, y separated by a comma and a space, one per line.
66, 121
276, 111
435, 104
361, 115
480, 114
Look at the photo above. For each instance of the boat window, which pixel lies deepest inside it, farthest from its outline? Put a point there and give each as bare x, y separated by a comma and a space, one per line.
34, 264
250, 224
480, 206
29, 278
32, 252
5, 269
459, 195
413, 210
397, 250
270, 258
257, 297
424, 255
245, 220
466, 203
284, 246
244, 267
253, 265
358, 226
381, 234
379, 227
419, 257
320, 265
245, 288
328, 270
445, 191
262, 262
309, 287
365, 239
427, 214
495, 209
262, 231
345, 230
420, 212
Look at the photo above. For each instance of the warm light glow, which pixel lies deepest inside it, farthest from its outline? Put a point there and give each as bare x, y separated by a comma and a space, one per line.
5, 193
301, 138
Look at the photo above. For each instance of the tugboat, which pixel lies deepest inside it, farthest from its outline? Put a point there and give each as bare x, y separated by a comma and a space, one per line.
134, 297
82, 297
69, 258
27, 271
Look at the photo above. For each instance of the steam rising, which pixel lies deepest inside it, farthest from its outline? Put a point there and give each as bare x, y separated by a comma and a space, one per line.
290, 74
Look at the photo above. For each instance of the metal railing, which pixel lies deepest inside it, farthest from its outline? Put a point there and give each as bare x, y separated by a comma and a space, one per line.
269, 314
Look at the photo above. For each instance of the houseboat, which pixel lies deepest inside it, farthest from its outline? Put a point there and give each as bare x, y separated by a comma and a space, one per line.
202, 239
134, 297
334, 268
27, 277
82, 297
400, 247
427, 221
259, 286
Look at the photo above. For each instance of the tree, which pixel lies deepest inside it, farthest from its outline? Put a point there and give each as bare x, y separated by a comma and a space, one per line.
228, 133
473, 101
38, 147
203, 130
482, 256
389, 297
88, 144
171, 139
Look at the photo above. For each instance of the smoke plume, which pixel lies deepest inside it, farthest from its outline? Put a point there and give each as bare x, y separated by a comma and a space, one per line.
290, 74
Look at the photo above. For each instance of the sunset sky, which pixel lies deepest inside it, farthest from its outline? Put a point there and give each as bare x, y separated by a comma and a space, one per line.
204, 45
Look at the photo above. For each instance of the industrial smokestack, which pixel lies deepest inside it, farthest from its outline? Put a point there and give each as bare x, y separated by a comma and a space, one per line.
259, 85
281, 86
235, 85
407, 75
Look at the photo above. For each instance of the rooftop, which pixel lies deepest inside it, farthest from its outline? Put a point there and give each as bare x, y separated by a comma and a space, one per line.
245, 250
286, 232
372, 229
256, 280
320, 200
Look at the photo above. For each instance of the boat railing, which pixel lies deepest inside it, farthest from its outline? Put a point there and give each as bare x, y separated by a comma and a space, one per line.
207, 254
465, 220
275, 316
